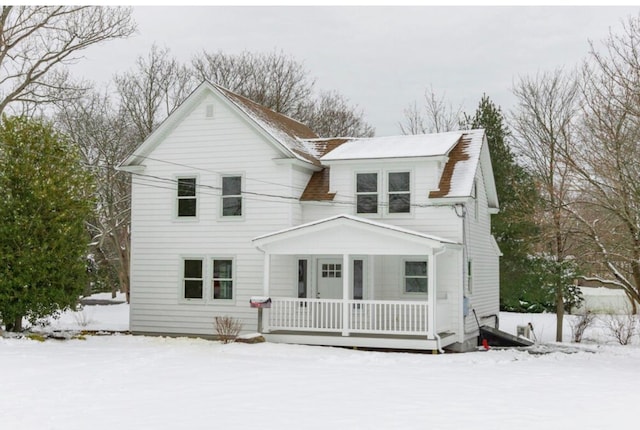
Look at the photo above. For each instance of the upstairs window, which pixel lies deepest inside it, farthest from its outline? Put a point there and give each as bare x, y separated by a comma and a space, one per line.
367, 193
187, 197
232, 196
192, 280
415, 277
399, 192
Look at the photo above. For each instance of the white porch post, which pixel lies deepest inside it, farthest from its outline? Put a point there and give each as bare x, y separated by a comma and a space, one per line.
431, 293
345, 294
265, 290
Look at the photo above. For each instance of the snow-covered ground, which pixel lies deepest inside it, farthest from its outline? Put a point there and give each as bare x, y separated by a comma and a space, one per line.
135, 382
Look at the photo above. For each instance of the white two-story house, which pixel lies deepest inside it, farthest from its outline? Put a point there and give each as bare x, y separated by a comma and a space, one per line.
377, 242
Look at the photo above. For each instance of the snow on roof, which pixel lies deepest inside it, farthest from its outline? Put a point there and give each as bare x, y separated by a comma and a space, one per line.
464, 170
287, 131
420, 145
459, 172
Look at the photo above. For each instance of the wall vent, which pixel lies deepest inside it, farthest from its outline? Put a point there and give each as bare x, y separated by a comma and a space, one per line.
209, 113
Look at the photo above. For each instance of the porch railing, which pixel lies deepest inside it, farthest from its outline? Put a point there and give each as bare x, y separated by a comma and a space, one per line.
362, 316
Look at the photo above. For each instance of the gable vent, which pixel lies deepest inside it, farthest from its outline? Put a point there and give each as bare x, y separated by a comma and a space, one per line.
209, 113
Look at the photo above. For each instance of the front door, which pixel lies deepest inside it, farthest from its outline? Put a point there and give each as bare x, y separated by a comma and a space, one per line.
330, 278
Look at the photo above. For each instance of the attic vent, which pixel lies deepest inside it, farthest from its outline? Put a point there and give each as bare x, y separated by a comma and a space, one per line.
209, 111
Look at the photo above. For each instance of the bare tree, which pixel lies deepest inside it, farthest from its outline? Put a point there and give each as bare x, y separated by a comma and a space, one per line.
437, 116
273, 80
282, 84
332, 116
608, 162
37, 42
153, 89
107, 133
545, 130
105, 137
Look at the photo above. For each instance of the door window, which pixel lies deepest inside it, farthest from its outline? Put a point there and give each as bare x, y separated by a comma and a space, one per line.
331, 270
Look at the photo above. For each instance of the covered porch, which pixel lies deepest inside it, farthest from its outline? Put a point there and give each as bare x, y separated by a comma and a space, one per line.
359, 283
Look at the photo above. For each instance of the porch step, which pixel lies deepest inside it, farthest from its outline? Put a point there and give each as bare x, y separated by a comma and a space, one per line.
497, 337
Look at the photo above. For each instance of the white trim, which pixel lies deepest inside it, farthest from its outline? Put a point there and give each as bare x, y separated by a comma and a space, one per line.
346, 270
234, 284
181, 279
387, 201
365, 263
243, 208
207, 279
419, 344
350, 219
431, 296
403, 276
377, 193
298, 163
176, 198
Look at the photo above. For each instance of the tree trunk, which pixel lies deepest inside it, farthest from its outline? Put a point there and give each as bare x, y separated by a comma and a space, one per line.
559, 277
559, 312
16, 325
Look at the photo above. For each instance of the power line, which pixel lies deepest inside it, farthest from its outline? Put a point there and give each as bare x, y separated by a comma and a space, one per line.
251, 195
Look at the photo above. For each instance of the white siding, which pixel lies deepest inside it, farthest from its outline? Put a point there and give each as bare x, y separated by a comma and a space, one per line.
205, 148
299, 180
439, 221
485, 292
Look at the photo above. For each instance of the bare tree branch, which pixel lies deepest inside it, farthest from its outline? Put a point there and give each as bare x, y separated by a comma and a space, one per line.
438, 116
37, 42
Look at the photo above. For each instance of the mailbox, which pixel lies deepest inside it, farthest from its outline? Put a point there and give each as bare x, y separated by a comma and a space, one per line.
260, 302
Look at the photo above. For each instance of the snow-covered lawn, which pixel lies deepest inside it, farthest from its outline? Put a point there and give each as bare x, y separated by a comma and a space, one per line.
134, 382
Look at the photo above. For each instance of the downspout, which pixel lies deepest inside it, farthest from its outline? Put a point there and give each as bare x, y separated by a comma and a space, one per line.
465, 253
435, 298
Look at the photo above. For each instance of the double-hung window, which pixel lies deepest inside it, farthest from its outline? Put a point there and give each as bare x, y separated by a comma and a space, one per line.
367, 193
187, 197
415, 277
399, 186
231, 196
222, 279
192, 280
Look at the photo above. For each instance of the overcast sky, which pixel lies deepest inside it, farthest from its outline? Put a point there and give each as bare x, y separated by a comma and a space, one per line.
381, 58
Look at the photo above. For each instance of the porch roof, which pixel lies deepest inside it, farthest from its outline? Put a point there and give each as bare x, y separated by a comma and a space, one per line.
349, 234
